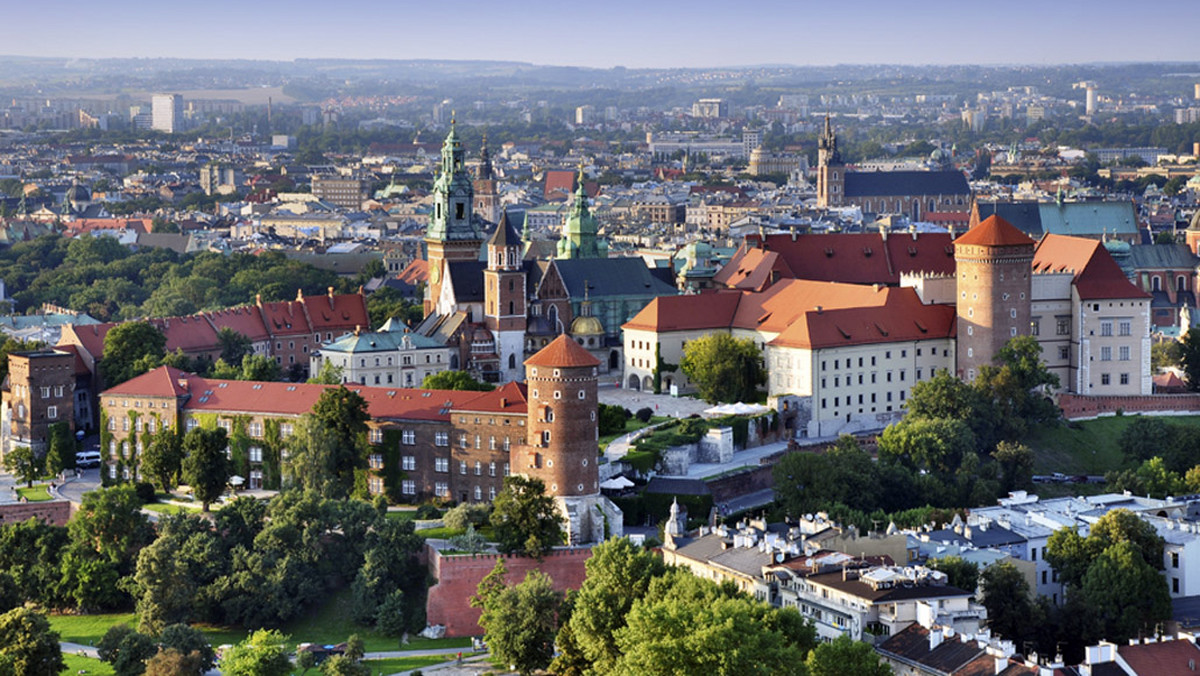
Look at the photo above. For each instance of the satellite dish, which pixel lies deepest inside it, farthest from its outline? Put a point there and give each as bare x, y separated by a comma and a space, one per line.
779, 556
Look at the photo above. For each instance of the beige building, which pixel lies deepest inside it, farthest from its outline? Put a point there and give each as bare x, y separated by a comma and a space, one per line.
854, 351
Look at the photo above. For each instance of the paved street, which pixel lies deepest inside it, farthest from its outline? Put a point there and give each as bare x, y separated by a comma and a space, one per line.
74, 489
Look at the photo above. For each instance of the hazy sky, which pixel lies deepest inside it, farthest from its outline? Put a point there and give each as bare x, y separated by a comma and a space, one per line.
605, 33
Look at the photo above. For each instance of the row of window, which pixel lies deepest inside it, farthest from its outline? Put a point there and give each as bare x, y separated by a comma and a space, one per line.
1122, 353
441, 489
45, 391
849, 401
849, 362
1106, 378
837, 380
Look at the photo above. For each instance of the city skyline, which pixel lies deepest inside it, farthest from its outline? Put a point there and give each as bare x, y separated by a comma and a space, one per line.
617, 33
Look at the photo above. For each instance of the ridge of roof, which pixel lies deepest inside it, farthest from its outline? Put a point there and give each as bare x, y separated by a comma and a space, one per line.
994, 231
564, 353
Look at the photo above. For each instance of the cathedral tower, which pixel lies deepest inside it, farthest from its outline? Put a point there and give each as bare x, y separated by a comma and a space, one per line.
487, 199
831, 172
452, 234
579, 233
993, 262
561, 445
504, 298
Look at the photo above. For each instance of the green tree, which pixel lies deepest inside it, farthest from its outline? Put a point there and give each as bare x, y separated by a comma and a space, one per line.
205, 465
260, 368
234, 346
611, 419
28, 647
342, 665
330, 374
1128, 597
618, 573
959, 573
191, 643
110, 523
845, 656
1145, 438
1190, 359
172, 662
61, 452
519, 622
23, 463
688, 625
389, 587
524, 519
342, 416
162, 458
454, 380
131, 349
1016, 464
938, 445
1168, 353
263, 653
1007, 599
724, 368
126, 650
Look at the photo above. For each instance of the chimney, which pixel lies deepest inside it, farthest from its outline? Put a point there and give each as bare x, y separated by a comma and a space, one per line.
258, 299
819, 309
503, 402
935, 638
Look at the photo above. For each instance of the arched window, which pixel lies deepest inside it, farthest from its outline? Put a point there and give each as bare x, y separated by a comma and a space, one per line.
1181, 283
1156, 283
512, 361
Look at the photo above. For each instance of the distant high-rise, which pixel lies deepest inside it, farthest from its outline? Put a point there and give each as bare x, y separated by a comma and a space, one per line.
710, 108
1197, 94
1090, 105
167, 113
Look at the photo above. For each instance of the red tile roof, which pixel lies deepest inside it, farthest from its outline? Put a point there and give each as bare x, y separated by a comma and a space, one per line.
191, 334
751, 268
416, 272
994, 231
509, 398
337, 310
1166, 658
680, 313
1097, 275
770, 311
564, 353
902, 317
857, 258
245, 320
293, 399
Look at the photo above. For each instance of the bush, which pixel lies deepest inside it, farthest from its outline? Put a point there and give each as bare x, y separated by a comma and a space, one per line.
644, 414
428, 511
467, 513
145, 492
612, 419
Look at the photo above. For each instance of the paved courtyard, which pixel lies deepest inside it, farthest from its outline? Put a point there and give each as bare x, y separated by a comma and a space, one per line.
663, 404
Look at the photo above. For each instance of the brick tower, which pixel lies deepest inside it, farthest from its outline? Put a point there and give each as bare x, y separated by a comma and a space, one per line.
831, 171
40, 392
504, 298
993, 263
561, 443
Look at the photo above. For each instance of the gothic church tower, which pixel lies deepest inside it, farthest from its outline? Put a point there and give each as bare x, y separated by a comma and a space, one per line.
831, 172
504, 298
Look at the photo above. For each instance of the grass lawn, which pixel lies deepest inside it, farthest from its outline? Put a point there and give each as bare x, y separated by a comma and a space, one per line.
631, 425
328, 623
405, 515
87, 629
39, 493
86, 665
1090, 448
395, 665
170, 509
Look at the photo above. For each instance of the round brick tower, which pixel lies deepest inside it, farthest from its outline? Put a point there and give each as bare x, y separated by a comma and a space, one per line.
561, 441
993, 262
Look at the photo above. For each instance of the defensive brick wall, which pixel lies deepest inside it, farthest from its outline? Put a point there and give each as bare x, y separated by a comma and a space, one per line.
1075, 407
53, 512
458, 578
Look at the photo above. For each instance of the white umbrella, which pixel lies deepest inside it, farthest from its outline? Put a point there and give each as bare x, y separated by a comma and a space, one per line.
236, 480
615, 483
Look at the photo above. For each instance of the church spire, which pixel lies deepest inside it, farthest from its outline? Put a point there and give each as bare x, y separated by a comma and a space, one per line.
485, 161
452, 218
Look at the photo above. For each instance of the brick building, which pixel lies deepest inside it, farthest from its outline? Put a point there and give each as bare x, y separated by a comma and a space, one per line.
38, 393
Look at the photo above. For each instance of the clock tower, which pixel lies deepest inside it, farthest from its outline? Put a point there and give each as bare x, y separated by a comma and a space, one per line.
452, 234
504, 291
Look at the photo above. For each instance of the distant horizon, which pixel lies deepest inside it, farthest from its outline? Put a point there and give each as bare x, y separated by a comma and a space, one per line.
741, 66
701, 34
